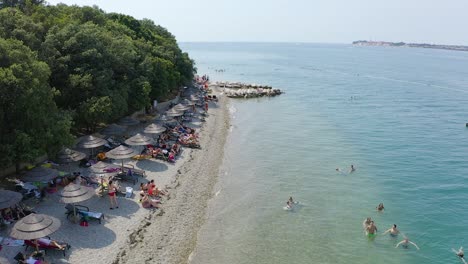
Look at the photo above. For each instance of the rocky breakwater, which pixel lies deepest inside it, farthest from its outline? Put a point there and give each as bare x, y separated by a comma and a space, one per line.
243, 90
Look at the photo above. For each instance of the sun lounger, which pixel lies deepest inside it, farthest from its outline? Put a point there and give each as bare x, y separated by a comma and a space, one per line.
41, 246
136, 172
84, 212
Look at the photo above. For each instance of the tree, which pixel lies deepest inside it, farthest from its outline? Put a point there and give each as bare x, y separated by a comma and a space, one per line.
30, 123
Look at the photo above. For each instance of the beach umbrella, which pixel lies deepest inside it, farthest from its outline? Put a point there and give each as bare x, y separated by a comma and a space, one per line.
188, 102
139, 140
173, 112
34, 226
114, 129
9, 198
91, 142
128, 121
180, 107
121, 153
67, 155
40, 174
75, 193
154, 129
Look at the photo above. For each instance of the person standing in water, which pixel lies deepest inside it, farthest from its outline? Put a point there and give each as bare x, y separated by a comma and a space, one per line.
371, 230
393, 231
352, 169
366, 222
291, 201
405, 243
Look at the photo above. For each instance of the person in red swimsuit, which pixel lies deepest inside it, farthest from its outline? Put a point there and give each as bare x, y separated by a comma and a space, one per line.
112, 195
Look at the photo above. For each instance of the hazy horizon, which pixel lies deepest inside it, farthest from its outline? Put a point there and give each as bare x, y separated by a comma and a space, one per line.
302, 21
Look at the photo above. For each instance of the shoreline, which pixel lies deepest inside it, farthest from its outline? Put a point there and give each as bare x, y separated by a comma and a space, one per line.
170, 235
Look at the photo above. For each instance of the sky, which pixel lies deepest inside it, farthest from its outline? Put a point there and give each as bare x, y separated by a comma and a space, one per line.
321, 21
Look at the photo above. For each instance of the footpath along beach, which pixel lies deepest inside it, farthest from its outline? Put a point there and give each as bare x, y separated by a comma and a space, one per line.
133, 234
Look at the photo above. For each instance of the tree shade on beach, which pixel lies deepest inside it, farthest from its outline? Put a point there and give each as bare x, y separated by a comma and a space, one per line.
69, 68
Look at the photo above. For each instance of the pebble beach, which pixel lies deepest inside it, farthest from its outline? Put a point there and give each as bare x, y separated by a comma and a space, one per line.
133, 234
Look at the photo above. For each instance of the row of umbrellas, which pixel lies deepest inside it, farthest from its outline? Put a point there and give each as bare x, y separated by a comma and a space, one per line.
36, 226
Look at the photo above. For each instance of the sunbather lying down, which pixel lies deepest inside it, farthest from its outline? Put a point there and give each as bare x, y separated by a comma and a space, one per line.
48, 242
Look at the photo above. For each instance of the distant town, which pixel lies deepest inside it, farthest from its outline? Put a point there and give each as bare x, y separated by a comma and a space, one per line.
411, 45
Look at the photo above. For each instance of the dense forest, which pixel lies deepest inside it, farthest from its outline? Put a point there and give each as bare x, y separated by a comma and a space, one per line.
65, 69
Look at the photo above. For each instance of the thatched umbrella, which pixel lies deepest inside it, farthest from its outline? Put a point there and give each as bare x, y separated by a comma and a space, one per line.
40, 174
9, 198
154, 129
75, 193
187, 102
194, 98
67, 155
34, 226
128, 121
180, 107
91, 142
139, 140
174, 112
114, 129
121, 152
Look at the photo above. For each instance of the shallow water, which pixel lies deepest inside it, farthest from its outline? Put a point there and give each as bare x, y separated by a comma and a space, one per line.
397, 114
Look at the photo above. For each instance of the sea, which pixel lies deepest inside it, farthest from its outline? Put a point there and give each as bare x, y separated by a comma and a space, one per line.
397, 114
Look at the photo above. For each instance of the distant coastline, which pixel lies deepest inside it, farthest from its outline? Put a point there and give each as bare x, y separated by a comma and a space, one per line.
411, 45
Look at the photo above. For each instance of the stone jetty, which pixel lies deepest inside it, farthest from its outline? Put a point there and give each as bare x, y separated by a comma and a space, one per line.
244, 90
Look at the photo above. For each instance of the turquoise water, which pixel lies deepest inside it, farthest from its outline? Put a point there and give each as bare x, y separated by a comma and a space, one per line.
397, 114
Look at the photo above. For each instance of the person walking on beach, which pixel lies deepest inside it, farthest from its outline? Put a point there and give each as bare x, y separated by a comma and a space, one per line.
405, 243
393, 231
112, 191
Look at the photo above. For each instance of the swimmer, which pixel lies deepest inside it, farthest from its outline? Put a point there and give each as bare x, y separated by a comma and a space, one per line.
380, 207
393, 231
288, 205
366, 222
460, 254
352, 169
291, 201
405, 242
371, 229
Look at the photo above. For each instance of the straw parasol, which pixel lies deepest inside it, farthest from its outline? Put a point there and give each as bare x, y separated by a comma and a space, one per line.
121, 152
40, 174
128, 121
69, 155
9, 198
139, 140
75, 193
154, 129
188, 102
180, 107
91, 142
194, 98
173, 112
34, 226
114, 129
